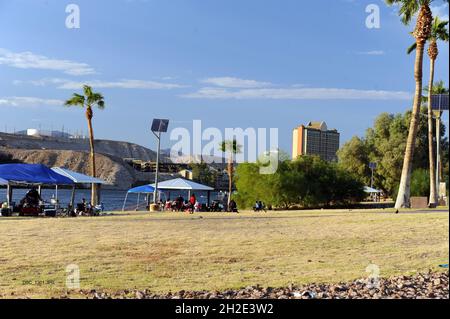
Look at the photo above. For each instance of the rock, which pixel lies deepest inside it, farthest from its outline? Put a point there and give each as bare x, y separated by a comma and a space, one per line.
421, 286
140, 295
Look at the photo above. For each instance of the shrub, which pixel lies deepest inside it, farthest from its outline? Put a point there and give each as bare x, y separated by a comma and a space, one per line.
307, 182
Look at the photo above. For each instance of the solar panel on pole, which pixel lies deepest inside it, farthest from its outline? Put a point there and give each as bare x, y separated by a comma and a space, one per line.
439, 102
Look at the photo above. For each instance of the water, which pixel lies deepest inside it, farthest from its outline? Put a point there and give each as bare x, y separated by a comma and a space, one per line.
112, 199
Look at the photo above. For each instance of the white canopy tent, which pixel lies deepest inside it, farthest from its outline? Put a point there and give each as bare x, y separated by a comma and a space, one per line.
371, 190
184, 184
77, 178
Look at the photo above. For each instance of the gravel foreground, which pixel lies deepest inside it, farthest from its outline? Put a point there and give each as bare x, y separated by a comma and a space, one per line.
422, 286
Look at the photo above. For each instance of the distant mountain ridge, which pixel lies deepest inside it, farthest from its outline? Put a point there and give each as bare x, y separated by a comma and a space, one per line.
107, 147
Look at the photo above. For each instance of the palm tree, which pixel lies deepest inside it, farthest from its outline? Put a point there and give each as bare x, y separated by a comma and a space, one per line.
422, 31
232, 148
88, 101
438, 32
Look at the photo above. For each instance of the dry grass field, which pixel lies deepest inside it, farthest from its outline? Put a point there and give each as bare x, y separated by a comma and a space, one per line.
172, 251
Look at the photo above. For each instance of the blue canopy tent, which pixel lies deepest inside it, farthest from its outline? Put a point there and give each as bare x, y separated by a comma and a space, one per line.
3, 182
30, 174
144, 189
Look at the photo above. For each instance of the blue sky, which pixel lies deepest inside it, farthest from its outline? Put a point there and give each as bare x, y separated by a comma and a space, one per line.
229, 63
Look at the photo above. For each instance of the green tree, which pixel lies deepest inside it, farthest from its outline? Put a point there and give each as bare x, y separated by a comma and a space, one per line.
384, 144
420, 182
203, 174
354, 157
307, 182
439, 32
88, 101
408, 8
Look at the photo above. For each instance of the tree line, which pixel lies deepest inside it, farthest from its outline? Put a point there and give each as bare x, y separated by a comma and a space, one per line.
384, 144
305, 182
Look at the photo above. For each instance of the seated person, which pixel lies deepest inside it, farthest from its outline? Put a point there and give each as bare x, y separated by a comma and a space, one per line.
168, 205
259, 206
232, 207
84, 208
32, 198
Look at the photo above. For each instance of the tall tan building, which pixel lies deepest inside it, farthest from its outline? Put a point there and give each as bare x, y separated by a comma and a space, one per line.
315, 139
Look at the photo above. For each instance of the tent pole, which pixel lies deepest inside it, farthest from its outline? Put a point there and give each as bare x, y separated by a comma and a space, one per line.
56, 195
126, 197
9, 195
209, 198
99, 193
72, 198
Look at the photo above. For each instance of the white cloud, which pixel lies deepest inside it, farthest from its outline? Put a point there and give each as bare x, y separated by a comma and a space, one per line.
16, 101
298, 94
373, 52
440, 11
29, 60
97, 84
231, 82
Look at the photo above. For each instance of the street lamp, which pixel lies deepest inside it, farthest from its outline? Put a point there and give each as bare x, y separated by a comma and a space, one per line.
158, 126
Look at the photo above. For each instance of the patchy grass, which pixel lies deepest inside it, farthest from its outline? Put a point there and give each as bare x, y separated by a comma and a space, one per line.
172, 251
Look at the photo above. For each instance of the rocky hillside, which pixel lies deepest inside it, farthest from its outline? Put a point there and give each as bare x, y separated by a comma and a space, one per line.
114, 148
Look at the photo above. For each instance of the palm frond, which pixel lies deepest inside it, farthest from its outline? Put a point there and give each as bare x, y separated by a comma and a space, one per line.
407, 8
231, 147
76, 100
411, 48
87, 90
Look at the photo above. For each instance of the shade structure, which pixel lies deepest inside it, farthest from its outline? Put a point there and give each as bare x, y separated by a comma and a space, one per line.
371, 190
78, 178
182, 184
32, 174
144, 189
3, 182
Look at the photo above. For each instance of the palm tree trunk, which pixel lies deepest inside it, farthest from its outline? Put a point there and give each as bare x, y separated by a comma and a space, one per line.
433, 193
403, 196
230, 177
92, 157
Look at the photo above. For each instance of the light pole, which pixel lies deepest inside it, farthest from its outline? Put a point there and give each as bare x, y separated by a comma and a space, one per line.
158, 126
439, 103
438, 150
